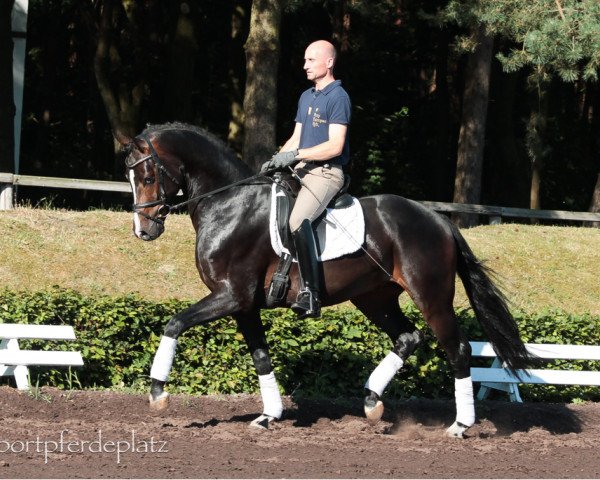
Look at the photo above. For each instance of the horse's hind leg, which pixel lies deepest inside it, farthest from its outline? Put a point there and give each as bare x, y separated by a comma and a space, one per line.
253, 331
442, 321
382, 308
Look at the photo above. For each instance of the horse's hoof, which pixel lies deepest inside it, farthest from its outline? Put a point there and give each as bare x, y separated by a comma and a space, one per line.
159, 403
262, 422
375, 413
457, 430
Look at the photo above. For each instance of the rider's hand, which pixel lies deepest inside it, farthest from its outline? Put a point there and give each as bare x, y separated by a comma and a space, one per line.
265, 166
283, 159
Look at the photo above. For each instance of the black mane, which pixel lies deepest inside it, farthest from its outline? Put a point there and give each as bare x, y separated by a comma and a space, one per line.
224, 160
210, 137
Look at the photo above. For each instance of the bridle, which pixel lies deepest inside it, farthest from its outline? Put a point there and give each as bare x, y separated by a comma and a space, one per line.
165, 208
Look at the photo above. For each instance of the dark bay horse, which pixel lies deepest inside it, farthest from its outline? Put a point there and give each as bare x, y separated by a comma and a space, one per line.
407, 248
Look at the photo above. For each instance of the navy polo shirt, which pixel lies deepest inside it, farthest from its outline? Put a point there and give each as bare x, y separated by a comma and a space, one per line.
317, 109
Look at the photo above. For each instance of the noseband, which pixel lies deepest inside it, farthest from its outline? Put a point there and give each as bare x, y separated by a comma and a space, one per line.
165, 208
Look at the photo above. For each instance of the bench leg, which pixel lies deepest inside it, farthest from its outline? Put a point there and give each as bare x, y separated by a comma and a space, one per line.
511, 388
514, 394
484, 391
22, 377
20, 372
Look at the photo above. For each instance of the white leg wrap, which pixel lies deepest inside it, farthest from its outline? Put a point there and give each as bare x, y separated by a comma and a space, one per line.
163, 360
272, 403
465, 405
384, 373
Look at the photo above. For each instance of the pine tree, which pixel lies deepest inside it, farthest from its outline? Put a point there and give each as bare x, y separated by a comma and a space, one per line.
547, 38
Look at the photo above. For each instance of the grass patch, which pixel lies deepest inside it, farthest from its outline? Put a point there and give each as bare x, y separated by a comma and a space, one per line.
540, 267
543, 267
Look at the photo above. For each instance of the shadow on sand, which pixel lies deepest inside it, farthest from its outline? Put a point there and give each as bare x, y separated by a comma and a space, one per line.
506, 417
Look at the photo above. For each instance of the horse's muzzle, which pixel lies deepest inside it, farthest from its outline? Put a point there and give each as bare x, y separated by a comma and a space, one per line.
147, 237
152, 233
148, 230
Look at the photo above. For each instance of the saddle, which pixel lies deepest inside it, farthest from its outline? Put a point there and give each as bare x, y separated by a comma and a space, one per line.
285, 198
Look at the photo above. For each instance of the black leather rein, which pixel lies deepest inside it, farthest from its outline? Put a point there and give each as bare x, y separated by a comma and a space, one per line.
166, 209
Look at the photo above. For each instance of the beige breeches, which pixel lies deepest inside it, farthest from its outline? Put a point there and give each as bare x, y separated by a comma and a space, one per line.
320, 183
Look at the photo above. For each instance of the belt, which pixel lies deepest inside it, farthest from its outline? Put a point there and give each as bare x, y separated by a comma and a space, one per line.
319, 164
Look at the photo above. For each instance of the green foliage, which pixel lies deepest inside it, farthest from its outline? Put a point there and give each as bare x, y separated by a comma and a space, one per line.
331, 356
545, 35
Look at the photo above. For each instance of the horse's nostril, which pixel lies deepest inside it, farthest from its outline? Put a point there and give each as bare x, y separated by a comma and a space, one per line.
145, 236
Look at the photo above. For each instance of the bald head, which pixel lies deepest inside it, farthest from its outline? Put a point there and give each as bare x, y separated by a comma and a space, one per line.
324, 47
319, 60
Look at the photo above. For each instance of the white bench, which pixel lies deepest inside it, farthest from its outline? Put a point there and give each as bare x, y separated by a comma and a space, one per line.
499, 378
14, 361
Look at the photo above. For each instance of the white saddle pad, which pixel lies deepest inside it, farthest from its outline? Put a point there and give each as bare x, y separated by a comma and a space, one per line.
341, 232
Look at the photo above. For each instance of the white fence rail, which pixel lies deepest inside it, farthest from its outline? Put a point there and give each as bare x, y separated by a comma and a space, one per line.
496, 377
495, 213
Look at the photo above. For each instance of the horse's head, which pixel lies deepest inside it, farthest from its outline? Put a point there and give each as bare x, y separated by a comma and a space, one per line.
155, 179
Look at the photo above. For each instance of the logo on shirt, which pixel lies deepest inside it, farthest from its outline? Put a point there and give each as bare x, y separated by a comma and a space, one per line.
317, 120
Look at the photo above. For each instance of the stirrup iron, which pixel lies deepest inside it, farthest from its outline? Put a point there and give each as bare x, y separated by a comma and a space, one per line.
307, 304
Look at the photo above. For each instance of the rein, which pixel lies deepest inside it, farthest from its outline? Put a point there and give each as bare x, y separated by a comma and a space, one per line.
166, 209
201, 197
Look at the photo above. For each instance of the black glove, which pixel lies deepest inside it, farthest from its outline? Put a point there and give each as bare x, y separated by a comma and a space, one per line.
283, 159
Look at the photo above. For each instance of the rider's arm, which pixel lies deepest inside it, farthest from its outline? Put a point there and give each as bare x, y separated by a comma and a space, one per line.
329, 149
294, 141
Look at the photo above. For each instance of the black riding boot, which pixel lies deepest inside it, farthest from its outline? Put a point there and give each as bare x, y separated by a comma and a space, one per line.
307, 302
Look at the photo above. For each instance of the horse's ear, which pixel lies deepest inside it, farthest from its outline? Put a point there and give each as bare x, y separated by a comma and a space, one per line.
139, 143
121, 137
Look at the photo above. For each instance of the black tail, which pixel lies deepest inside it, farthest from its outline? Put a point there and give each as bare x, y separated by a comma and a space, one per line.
490, 307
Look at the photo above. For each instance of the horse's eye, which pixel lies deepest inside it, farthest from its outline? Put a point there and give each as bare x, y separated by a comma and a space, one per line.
148, 180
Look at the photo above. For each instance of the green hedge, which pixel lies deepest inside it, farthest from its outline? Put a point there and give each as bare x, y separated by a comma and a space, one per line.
331, 356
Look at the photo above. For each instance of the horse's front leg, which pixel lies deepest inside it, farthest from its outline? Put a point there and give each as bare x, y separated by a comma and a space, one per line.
253, 331
213, 306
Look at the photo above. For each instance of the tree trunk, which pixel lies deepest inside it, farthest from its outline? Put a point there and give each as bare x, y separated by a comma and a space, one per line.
595, 203
537, 147
513, 166
260, 99
44, 108
340, 22
183, 50
536, 180
471, 141
121, 99
593, 121
239, 29
441, 167
7, 105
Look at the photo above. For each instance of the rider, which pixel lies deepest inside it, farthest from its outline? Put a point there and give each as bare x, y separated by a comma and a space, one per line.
320, 144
